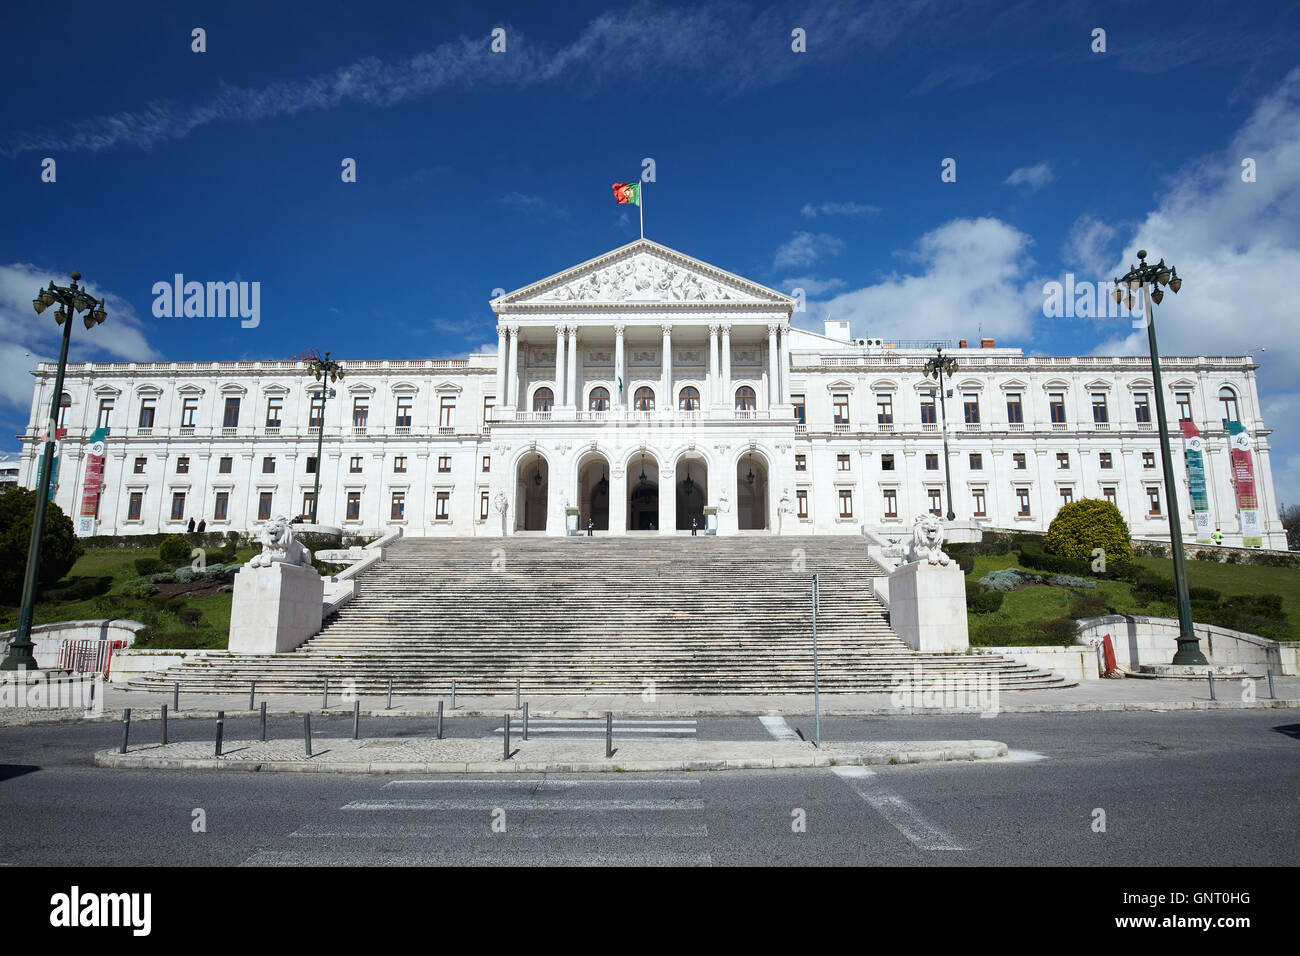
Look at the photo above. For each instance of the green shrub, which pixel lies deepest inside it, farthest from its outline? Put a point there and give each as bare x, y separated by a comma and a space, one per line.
964, 561
1082, 526
59, 547
162, 577
1008, 579
147, 566
1089, 605
984, 601
1203, 594
1070, 581
1058, 630
174, 550
190, 616
185, 575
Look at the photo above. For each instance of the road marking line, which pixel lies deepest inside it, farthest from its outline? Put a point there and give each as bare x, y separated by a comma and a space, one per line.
487, 802
500, 854
556, 784
778, 728
1020, 756
665, 732
898, 812
530, 831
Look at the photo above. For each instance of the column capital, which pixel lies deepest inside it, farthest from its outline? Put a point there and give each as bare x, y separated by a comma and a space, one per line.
785, 329
713, 328
501, 330
618, 330
726, 328
773, 328
561, 329
667, 328
513, 329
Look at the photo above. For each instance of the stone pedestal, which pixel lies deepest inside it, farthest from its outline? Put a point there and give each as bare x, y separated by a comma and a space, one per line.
710, 519
927, 606
275, 608
571, 522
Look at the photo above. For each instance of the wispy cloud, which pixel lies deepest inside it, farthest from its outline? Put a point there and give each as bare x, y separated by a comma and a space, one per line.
534, 205
813, 210
812, 285
1035, 177
805, 248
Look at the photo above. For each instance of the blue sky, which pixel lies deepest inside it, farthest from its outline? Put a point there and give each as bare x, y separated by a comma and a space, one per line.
478, 170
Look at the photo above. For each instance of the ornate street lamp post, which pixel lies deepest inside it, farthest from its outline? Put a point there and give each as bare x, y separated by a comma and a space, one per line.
327, 371
1146, 280
70, 299
936, 367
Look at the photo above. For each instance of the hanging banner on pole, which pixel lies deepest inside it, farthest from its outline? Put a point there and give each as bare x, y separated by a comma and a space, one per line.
54, 468
1194, 457
93, 484
1243, 478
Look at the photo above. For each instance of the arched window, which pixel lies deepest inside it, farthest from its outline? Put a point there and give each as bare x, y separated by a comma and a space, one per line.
543, 399
644, 399
746, 401
65, 402
598, 400
1228, 399
688, 399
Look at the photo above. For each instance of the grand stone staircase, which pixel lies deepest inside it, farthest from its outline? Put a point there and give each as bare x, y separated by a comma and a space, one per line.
605, 615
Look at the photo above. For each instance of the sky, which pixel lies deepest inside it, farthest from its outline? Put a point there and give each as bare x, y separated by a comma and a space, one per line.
817, 168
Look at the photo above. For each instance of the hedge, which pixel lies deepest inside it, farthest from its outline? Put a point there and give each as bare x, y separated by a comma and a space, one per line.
1081, 527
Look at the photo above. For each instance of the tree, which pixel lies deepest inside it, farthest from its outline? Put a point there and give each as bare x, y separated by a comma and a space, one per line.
1290, 515
1082, 526
59, 546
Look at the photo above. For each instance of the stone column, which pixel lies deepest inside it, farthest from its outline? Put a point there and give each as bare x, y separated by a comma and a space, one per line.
617, 495
726, 398
666, 399
571, 377
667, 499
501, 366
773, 372
714, 397
785, 365
559, 365
512, 373
618, 377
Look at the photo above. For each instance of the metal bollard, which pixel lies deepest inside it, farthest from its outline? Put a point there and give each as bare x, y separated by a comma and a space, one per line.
507, 738
1210, 674
252, 694
176, 697
263, 721
525, 720
453, 695
164, 724
390, 693
516, 693
356, 719
439, 720
126, 728
221, 729
306, 732
609, 733
325, 695
1271, 693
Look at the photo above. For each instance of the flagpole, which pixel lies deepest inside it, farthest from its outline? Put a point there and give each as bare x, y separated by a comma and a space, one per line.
640, 195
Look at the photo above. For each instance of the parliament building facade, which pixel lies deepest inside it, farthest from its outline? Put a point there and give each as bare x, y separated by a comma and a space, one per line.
646, 391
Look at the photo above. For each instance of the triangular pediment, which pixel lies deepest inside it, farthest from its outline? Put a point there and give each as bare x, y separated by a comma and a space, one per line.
642, 272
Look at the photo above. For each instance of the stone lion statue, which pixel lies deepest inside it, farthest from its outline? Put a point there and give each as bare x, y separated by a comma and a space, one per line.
927, 539
279, 546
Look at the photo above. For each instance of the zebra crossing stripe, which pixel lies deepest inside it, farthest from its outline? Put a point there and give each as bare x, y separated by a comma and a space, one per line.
778, 728
904, 817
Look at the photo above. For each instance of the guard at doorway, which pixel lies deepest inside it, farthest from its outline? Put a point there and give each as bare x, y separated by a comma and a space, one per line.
694, 526
590, 524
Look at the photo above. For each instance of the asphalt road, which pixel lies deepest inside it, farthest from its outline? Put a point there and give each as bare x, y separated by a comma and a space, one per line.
1176, 789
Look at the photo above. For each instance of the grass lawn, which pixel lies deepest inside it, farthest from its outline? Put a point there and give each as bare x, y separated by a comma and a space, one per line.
1035, 603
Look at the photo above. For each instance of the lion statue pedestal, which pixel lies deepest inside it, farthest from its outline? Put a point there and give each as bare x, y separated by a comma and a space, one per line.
279, 597
927, 597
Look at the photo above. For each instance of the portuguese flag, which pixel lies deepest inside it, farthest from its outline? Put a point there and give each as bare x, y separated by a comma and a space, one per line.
627, 193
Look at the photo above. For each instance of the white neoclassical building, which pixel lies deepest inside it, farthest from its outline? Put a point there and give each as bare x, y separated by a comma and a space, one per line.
645, 391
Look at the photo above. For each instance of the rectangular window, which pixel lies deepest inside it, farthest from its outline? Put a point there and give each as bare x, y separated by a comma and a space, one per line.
842, 462
354, 506
404, 404
846, 503
1019, 459
224, 466
147, 409
316, 415
972, 407
487, 464
928, 416
884, 409
134, 505
1067, 495
399, 465
398, 510
886, 462
1062, 459
841, 409
354, 465
189, 411
800, 412
442, 506
105, 411
264, 506
230, 418
308, 503
178, 505
931, 462
1153, 500
891, 503
1056, 404
182, 466
1022, 497
489, 403
268, 465
1015, 411
483, 506
976, 461
222, 506
801, 498
977, 500
800, 462
274, 411
1111, 496
1142, 407
360, 411
311, 464
444, 464
447, 411
1148, 459
936, 501
139, 466
1184, 400
1100, 414
1105, 460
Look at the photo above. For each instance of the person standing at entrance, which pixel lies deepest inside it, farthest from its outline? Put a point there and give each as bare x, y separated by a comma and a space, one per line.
590, 524
694, 526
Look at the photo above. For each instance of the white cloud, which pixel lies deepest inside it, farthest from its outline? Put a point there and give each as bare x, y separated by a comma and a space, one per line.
1086, 249
812, 286
805, 248
813, 210
1035, 177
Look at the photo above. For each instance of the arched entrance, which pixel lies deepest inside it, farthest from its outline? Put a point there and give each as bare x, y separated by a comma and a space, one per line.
643, 493
532, 491
692, 490
593, 493
751, 493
